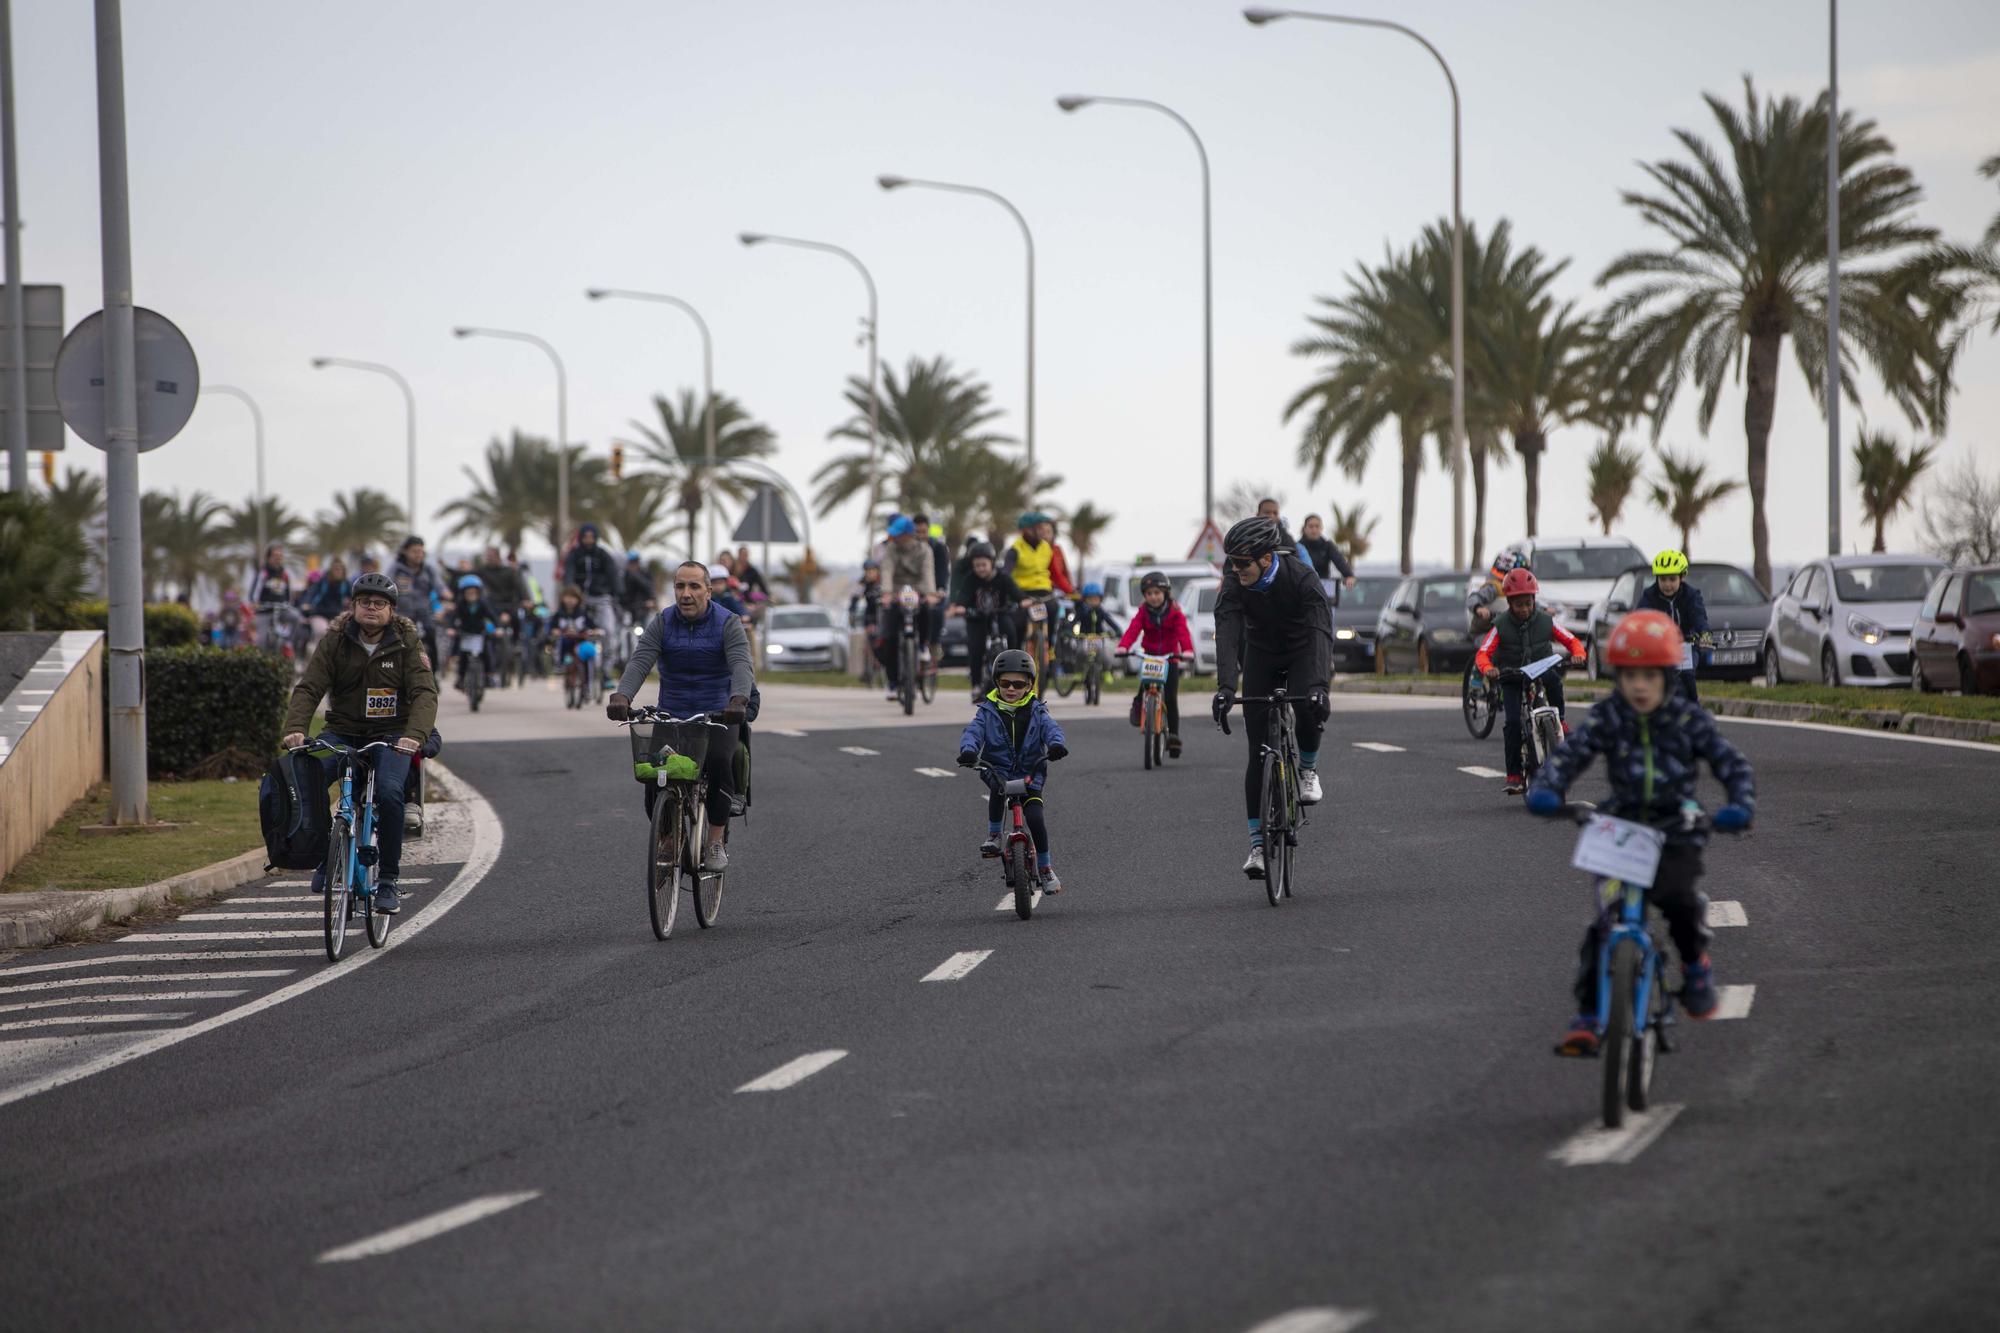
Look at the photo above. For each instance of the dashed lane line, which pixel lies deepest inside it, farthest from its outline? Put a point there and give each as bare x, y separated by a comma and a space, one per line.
1481, 771
1007, 904
1594, 1145
151, 998
127, 960
1315, 1319
197, 936
780, 731
958, 965
1727, 913
793, 1071
145, 979
76, 1020
937, 772
424, 1228
1733, 1001
857, 749
1379, 747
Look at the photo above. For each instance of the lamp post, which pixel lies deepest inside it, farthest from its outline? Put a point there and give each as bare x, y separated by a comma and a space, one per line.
874, 395
562, 420
257, 420
893, 183
1833, 277
16, 350
707, 370
409, 414
1077, 103
1259, 17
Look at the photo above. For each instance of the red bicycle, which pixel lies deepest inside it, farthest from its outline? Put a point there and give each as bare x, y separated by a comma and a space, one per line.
1018, 862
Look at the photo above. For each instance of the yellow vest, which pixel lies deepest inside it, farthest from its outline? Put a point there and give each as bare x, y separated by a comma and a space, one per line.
1031, 565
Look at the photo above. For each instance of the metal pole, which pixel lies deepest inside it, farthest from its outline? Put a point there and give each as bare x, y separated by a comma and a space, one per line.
562, 417
257, 421
1833, 277
805, 514
409, 416
765, 507
17, 334
707, 371
125, 622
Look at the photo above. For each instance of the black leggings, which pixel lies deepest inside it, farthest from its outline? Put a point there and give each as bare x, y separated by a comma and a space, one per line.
720, 770
1675, 898
979, 635
1031, 812
1261, 676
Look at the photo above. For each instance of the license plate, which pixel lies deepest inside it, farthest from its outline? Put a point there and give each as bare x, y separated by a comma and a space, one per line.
1732, 657
1619, 849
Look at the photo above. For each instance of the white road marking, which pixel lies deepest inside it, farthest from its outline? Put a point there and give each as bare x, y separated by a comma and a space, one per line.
955, 967
1379, 747
1879, 735
424, 1228
306, 884
1733, 1001
857, 749
779, 731
1727, 913
793, 1071
937, 772
1595, 1145
144, 979
38, 694
197, 936
126, 960
1007, 903
315, 912
1479, 771
124, 999
1315, 1319
72, 1020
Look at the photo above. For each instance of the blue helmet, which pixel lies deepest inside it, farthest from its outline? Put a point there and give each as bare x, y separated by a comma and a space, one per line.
632, 557
901, 527
1093, 590
472, 581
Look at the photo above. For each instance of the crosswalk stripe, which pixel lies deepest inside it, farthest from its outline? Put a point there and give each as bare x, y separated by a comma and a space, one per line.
123, 999
145, 978
73, 1020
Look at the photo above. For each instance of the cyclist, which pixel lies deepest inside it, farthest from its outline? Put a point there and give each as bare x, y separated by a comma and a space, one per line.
986, 597
908, 563
635, 597
705, 667
722, 590
471, 614
421, 589
1525, 634
1653, 742
1273, 625
1479, 602
590, 567
1030, 561
272, 594
1680, 601
570, 624
864, 607
330, 596
1088, 618
1161, 629
370, 669
1320, 552
1013, 731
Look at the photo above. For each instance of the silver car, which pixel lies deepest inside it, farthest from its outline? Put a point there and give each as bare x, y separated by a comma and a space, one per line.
803, 638
1845, 620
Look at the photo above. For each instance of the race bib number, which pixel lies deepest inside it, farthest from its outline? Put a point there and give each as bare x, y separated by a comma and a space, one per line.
1038, 612
472, 644
1619, 849
1152, 668
381, 703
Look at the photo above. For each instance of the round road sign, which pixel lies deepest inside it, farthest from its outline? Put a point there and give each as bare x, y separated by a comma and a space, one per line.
168, 378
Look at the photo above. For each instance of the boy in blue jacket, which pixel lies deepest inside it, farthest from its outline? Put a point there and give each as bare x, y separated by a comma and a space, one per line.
1652, 740
1014, 733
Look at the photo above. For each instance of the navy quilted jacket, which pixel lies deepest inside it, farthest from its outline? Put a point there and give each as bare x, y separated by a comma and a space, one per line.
1651, 759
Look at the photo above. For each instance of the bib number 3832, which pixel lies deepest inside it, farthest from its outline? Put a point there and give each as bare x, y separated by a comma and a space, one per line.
381, 703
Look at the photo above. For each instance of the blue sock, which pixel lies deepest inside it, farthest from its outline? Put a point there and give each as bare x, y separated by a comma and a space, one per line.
1256, 833
1308, 758
1042, 859
992, 828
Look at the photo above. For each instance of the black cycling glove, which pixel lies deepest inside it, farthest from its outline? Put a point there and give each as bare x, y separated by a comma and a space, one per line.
1322, 706
1225, 699
968, 759
1057, 750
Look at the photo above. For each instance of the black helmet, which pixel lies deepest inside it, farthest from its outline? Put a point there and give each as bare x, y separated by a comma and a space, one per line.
1155, 579
979, 551
1013, 662
1252, 537
381, 585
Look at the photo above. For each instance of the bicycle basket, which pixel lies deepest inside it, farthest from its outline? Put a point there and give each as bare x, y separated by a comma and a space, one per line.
674, 751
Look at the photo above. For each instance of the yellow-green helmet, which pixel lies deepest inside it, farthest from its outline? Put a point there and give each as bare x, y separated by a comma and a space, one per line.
1670, 562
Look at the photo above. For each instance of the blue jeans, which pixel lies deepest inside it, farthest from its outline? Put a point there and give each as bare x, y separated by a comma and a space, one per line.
392, 772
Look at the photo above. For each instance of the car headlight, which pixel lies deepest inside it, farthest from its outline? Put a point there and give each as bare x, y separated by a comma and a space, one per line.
775, 649
1343, 634
1446, 635
1865, 630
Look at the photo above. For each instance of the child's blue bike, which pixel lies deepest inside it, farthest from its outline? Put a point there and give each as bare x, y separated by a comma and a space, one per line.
352, 864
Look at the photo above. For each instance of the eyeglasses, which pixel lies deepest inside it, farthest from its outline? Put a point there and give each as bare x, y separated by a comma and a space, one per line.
373, 603
1015, 685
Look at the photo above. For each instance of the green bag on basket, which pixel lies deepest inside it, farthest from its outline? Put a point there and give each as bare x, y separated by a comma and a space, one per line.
678, 768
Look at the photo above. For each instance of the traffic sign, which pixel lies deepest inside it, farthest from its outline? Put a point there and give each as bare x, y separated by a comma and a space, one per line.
765, 519
1208, 544
42, 331
168, 378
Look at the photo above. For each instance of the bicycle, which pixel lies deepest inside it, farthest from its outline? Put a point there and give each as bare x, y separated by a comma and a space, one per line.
1544, 732
671, 755
1278, 808
1153, 705
352, 867
579, 668
1479, 700
1036, 640
469, 654
1019, 865
917, 672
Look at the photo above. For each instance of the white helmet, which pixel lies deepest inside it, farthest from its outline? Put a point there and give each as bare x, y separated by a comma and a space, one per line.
716, 572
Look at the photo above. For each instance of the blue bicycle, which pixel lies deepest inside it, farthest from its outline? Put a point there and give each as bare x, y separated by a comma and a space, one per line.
352, 861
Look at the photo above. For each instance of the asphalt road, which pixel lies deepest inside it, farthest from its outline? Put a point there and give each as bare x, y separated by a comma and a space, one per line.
1161, 1104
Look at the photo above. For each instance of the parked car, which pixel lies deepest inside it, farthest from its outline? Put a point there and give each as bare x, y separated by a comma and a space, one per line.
1121, 580
803, 638
1845, 620
1356, 612
1739, 611
1956, 638
1198, 605
1422, 628
1576, 572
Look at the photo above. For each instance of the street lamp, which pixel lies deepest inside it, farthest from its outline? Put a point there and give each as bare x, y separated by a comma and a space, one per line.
874, 396
707, 369
1077, 103
409, 413
257, 420
899, 182
1261, 16
562, 421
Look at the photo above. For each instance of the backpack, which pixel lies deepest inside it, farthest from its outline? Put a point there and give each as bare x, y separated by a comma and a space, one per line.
291, 805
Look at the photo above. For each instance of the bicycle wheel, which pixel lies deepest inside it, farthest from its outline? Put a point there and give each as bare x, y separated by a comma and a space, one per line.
1615, 1045
707, 888
663, 864
1062, 671
906, 682
1277, 828
1646, 1042
1021, 875
927, 681
337, 892
1548, 737
1477, 701
1148, 719
475, 684
378, 922
1093, 687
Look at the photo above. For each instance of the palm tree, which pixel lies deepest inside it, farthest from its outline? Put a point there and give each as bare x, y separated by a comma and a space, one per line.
1614, 471
1353, 530
280, 525
359, 520
635, 511
187, 541
680, 448
505, 503
1887, 475
966, 487
1085, 523
1683, 492
42, 561
931, 412
1747, 266
78, 498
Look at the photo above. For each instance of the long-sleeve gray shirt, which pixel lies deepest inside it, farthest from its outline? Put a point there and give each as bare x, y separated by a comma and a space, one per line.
735, 648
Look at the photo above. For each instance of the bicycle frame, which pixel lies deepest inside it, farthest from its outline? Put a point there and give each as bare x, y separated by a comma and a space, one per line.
1016, 792
1623, 908
357, 819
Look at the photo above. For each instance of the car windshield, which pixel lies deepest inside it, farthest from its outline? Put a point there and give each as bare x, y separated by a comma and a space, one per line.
1726, 585
1371, 594
1204, 598
1556, 563
800, 617
1982, 593
1445, 594
1883, 583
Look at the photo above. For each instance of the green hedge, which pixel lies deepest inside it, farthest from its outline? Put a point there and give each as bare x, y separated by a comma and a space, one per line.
168, 624
213, 711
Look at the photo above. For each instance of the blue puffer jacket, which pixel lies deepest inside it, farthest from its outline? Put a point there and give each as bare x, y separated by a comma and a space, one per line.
1652, 760
992, 731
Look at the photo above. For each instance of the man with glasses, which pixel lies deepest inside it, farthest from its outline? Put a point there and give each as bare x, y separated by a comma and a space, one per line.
1273, 623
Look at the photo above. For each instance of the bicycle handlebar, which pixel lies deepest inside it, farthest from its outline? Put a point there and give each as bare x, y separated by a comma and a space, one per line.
334, 747
1581, 812
637, 713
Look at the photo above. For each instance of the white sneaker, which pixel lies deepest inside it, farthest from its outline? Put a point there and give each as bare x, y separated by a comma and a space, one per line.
1050, 884
1254, 867
1309, 792
716, 858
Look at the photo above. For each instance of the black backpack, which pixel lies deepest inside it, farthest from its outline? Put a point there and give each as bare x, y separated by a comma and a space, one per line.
291, 803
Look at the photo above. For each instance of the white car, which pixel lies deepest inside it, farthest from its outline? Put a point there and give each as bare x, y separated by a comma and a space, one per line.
1198, 605
1121, 581
1575, 572
803, 638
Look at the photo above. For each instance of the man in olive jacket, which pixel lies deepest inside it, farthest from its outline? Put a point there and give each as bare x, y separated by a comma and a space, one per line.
371, 670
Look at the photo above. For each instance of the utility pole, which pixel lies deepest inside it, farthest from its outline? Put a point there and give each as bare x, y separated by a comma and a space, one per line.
17, 334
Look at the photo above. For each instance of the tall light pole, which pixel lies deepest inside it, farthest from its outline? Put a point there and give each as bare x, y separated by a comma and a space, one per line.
1833, 277
562, 420
900, 182
1259, 17
874, 393
707, 372
256, 420
1074, 103
409, 416
16, 315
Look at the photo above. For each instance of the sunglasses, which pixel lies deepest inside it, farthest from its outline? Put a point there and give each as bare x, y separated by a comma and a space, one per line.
1015, 684
1243, 561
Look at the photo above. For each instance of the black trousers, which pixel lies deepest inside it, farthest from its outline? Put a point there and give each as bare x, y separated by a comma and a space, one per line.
979, 636
720, 770
1510, 696
1170, 698
1031, 814
1260, 676
892, 637
1675, 897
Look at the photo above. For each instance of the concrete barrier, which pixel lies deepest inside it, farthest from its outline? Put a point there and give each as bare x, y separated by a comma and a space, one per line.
51, 741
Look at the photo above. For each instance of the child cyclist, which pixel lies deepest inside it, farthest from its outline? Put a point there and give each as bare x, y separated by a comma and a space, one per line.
1525, 635
1013, 732
1680, 601
1652, 740
1160, 628
570, 624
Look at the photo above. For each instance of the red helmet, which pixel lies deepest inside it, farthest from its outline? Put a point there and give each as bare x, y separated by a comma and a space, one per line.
1644, 639
1519, 582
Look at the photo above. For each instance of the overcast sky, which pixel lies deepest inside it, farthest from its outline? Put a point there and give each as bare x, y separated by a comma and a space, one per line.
356, 179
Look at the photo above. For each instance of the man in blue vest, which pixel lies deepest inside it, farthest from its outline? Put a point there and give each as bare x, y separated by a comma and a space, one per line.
705, 667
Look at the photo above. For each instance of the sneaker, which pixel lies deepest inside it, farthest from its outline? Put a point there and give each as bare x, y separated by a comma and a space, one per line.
1135, 711
1173, 746
387, 901
1516, 784
1698, 995
990, 848
894, 696
1254, 867
716, 858
1050, 884
1581, 1039
1309, 791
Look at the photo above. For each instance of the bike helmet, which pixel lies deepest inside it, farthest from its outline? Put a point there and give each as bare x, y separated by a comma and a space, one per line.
1093, 590
979, 551
1014, 662
871, 564
472, 581
1519, 583
377, 585
1509, 559
901, 527
1033, 518
1252, 537
718, 573
1670, 562
1644, 639
1156, 579
632, 557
